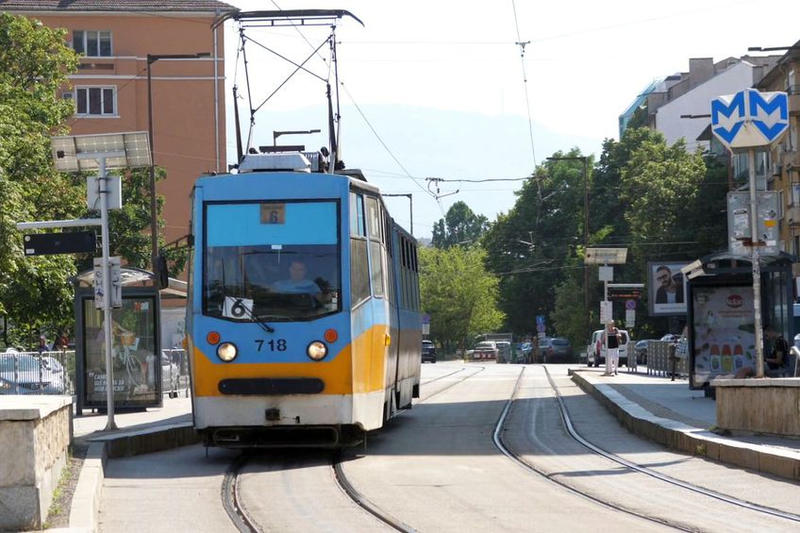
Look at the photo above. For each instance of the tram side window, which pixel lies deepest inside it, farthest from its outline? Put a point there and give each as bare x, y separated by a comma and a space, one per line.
357, 226
375, 248
359, 263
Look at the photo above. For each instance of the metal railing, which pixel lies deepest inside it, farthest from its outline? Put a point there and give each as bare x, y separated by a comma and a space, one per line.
54, 372
50, 372
659, 362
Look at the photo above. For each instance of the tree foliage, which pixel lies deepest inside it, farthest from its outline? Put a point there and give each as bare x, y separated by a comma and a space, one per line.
458, 293
34, 63
532, 245
459, 227
36, 293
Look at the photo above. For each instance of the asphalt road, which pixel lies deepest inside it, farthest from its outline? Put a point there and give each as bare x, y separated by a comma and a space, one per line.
435, 468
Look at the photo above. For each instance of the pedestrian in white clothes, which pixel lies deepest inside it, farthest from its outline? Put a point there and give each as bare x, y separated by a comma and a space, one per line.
610, 340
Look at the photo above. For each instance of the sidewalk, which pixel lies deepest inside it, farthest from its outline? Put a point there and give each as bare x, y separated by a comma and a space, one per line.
91, 425
155, 429
669, 413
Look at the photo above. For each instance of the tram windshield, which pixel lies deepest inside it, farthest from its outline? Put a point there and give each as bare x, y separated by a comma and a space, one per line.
271, 261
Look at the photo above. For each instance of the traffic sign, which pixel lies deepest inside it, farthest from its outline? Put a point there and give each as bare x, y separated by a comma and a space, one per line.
116, 282
750, 118
59, 243
630, 304
606, 311
630, 318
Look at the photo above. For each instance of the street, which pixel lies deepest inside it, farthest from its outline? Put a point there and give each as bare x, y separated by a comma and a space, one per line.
436, 468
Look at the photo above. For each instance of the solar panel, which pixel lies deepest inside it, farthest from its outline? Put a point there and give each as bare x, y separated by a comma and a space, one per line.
134, 147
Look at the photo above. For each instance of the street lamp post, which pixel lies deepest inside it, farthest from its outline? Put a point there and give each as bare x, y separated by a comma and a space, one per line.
152, 58
585, 161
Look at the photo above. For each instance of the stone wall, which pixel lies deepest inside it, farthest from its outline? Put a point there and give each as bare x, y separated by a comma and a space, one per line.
768, 405
34, 436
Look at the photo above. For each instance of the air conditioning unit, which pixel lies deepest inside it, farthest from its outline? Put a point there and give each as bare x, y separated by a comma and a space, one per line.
66, 95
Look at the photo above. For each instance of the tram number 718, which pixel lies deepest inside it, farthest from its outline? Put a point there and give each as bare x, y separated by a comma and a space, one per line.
273, 345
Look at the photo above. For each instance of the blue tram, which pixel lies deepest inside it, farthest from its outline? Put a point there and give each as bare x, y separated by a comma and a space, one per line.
303, 322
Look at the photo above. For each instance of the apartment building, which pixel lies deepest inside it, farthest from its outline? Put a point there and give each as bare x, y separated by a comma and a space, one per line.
785, 156
679, 105
110, 88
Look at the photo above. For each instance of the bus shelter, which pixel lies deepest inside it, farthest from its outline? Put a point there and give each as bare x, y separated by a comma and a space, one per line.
721, 318
136, 344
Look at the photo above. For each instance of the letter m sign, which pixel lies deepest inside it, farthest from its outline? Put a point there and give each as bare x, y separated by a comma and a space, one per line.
750, 118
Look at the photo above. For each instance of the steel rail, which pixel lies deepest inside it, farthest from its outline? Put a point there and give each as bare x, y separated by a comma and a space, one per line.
658, 475
498, 442
230, 498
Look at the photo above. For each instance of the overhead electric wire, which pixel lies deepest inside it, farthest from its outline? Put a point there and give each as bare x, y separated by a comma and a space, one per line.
380, 140
524, 81
366, 120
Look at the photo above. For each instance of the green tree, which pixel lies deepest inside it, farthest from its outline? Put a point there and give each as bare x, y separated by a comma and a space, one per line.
34, 63
460, 226
458, 293
532, 246
129, 226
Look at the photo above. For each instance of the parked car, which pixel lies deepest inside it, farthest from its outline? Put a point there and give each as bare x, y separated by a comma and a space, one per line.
671, 337
22, 374
428, 351
485, 350
600, 357
556, 350
593, 348
640, 348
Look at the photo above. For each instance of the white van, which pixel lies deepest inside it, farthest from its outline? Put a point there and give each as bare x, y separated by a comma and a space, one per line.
599, 354
593, 347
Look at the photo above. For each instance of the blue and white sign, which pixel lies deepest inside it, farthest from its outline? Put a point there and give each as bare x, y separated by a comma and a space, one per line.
750, 118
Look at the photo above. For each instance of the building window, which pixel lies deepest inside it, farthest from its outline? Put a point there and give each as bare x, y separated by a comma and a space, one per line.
96, 101
92, 43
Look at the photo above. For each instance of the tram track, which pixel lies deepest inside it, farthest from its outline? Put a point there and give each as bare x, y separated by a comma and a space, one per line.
500, 445
245, 523
365, 503
575, 435
230, 498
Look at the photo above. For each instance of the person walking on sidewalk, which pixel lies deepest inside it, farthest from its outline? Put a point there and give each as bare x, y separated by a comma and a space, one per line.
611, 340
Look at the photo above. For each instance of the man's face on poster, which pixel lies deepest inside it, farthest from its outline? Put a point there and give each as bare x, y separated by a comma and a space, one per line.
664, 277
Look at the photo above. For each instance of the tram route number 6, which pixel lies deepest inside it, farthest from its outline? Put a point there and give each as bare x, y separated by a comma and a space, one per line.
274, 345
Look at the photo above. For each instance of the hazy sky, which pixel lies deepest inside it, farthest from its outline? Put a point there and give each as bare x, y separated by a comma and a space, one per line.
441, 82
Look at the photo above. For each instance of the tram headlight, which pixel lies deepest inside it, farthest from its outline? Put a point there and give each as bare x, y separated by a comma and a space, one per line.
317, 350
227, 351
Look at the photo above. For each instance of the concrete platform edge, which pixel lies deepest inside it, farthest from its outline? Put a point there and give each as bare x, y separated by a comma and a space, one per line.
89, 490
691, 440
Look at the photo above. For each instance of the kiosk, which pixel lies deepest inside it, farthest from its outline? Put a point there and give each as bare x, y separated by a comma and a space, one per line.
721, 334
136, 344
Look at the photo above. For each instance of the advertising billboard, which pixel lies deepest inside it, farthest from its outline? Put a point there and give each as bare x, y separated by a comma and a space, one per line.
723, 332
666, 288
137, 368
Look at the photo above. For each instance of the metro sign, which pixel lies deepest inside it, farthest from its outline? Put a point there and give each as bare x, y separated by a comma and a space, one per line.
750, 118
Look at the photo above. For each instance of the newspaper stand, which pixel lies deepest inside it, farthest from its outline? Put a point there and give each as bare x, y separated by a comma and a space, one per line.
136, 342
721, 334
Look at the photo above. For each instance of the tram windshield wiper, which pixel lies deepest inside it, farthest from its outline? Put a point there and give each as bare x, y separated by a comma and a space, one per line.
260, 321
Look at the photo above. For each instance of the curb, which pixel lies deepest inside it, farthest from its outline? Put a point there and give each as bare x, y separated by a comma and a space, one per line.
89, 490
691, 440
